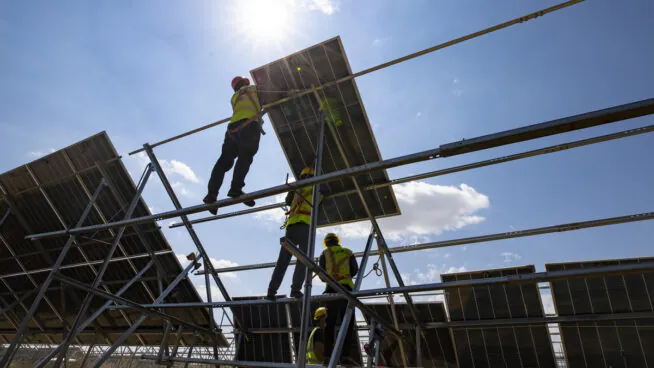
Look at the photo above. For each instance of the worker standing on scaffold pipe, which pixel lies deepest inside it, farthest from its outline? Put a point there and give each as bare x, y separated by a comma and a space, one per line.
241, 142
297, 230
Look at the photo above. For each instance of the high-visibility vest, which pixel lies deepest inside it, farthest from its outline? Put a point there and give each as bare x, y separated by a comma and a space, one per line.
337, 262
332, 113
300, 210
311, 353
245, 104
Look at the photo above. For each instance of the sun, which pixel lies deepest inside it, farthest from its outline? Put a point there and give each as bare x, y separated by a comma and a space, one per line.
264, 20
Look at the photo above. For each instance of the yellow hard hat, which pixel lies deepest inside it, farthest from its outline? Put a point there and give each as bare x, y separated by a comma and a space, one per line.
330, 236
307, 171
322, 311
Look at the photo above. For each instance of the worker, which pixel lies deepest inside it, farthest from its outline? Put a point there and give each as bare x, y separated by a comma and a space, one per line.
316, 344
341, 265
297, 230
332, 111
241, 142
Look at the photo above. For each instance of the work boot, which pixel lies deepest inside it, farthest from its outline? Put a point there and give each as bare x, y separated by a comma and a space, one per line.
297, 294
208, 199
233, 193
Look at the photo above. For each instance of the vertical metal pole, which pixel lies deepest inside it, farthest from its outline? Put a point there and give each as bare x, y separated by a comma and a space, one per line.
418, 347
138, 322
103, 268
349, 313
208, 266
371, 344
86, 356
164, 343
15, 342
190, 348
315, 213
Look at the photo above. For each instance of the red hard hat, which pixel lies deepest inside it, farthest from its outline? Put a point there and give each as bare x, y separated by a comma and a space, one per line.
240, 80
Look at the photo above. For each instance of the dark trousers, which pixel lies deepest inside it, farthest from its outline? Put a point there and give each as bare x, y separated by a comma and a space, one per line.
242, 145
298, 233
335, 314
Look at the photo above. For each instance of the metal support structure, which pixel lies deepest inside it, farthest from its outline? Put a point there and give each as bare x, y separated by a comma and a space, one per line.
305, 322
349, 312
530, 132
20, 332
140, 320
99, 274
97, 313
418, 346
336, 285
196, 240
414, 55
475, 165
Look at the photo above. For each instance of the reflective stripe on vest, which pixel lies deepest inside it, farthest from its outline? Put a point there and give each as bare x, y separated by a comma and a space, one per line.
301, 206
245, 104
311, 354
337, 262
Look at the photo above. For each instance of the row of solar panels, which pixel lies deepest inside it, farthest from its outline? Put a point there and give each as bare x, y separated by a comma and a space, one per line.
623, 343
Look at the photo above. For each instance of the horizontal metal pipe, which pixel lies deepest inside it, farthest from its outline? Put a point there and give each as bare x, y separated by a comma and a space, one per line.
480, 239
229, 363
581, 121
84, 264
547, 276
381, 66
133, 305
504, 322
451, 170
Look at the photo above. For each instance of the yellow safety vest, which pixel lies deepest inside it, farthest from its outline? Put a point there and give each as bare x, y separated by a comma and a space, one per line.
311, 353
332, 113
301, 210
245, 104
337, 262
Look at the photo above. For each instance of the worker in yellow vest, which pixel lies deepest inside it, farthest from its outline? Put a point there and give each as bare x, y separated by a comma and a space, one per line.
316, 345
297, 230
341, 265
241, 142
331, 108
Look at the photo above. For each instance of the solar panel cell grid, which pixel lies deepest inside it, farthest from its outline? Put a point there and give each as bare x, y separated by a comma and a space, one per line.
625, 343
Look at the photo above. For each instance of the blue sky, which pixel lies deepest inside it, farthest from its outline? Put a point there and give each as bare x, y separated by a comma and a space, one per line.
147, 70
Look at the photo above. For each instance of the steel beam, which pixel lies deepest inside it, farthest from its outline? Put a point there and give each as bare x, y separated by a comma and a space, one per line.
15, 342
453, 42
349, 313
305, 323
455, 169
138, 322
558, 126
230, 363
292, 248
484, 238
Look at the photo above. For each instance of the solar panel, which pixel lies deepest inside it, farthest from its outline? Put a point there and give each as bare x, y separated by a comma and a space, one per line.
436, 345
349, 355
624, 343
524, 346
295, 123
57, 201
269, 347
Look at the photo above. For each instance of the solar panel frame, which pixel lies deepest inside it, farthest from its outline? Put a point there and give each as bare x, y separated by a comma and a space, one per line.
295, 124
625, 343
510, 346
441, 356
60, 184
269, 347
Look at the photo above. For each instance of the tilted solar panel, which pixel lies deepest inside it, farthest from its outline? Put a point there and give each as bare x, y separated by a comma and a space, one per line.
295, 123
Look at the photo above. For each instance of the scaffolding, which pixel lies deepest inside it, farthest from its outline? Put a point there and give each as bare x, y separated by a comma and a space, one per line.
180, 338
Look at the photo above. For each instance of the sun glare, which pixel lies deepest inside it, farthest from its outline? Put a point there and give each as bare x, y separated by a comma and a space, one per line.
264, 20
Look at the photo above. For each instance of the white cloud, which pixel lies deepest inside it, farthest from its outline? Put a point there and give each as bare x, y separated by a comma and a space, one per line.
182, 189
510, 257
426, 210
274, 215
380, 41
182, 260
548, 304
175, 167
37, 154
216, 296
223, 263
433, 272
418, 114
464, 248
327, 7
457, 92
455, 81
455, 269
447, 255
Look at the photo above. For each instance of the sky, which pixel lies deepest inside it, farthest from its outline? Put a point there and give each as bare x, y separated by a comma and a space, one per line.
144, 71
